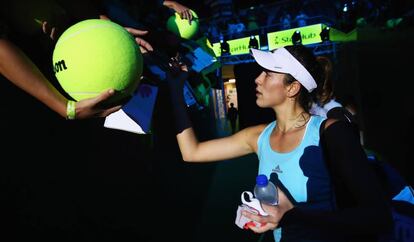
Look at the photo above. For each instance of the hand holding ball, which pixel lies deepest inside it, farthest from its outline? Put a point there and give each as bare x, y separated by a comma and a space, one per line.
182, 27
95, 55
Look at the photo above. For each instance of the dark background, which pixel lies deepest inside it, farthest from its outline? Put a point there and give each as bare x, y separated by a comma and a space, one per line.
69, 181
76, 180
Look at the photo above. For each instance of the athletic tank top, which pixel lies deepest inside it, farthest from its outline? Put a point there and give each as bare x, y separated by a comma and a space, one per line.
302, 171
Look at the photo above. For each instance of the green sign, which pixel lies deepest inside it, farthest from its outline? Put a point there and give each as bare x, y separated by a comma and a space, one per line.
339, 36
237, 46
310, 35
216, 49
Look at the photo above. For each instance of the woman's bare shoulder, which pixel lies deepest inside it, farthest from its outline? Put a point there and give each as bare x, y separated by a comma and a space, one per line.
257, 128
253, 132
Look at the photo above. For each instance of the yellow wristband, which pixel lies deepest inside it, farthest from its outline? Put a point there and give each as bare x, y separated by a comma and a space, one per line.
71, 110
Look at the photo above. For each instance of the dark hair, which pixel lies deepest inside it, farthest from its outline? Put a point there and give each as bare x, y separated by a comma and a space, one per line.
326, 92
318, 68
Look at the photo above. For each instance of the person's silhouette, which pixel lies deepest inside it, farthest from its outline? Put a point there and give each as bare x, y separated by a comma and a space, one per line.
232, 116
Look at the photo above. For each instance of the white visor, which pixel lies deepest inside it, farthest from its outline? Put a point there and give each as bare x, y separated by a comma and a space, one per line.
282, 61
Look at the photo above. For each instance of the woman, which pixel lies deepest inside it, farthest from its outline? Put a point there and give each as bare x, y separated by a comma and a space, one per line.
290, 153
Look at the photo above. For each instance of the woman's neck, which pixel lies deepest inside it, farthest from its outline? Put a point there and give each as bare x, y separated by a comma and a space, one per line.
294, 119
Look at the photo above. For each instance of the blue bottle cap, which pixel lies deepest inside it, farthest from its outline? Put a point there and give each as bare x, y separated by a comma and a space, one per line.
262, 180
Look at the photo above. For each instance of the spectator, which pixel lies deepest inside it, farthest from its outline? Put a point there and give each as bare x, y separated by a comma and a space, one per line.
232, 115
285, 20
301, 19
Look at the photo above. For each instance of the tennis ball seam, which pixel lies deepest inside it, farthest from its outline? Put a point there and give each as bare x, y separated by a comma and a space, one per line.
96, 26
77, 81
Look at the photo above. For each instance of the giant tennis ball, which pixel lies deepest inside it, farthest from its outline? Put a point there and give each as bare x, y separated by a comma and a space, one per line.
95, 55
182, 27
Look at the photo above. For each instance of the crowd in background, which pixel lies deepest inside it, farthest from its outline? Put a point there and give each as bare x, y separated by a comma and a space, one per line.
279, 15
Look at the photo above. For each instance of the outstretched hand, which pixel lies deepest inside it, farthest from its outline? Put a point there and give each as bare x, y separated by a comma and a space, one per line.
183, 11
49, 30
143, 44
178, 72
94, 107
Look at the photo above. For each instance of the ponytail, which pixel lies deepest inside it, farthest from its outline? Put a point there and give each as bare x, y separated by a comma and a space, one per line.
325, 92
321, 70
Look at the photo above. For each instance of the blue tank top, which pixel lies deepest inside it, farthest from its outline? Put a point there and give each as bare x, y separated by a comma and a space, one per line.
302, 171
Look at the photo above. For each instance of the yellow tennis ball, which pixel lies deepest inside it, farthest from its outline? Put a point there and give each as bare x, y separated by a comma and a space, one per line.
94, 55
182, 27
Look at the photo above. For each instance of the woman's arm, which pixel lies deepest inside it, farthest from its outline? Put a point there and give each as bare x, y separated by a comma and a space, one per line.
239, 144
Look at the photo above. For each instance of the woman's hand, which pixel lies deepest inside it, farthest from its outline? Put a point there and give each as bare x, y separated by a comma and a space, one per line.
177, 74
275, 212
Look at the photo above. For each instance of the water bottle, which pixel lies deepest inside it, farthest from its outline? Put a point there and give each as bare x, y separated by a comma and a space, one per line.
265, 190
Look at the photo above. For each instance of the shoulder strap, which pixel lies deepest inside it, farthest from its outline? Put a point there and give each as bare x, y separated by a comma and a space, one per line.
340, 114
322, 128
